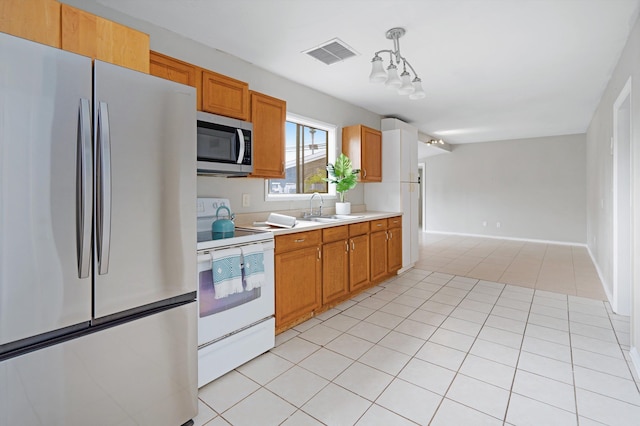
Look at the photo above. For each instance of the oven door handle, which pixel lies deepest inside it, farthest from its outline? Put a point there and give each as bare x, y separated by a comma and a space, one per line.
242, 147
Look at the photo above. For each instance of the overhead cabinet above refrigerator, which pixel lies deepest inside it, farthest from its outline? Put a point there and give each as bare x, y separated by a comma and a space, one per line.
97, 242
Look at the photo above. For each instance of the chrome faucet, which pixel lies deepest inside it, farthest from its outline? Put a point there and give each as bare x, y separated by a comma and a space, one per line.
311, 213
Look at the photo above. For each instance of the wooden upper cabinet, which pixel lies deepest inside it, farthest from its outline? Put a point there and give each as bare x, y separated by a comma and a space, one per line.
173, 69
225, 96
108, 41
268, 116
363, 145
36, 20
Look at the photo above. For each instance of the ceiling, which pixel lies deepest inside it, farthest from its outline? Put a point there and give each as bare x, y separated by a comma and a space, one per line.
492, 69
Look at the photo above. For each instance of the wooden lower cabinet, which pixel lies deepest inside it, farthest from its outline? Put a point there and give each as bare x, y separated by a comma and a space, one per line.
378, 255
358, 262
315, 270
394, 250
379, 238
298, 274
335, 271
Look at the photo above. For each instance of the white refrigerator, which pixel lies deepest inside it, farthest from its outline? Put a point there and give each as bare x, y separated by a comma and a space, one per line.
97, 242
399, 189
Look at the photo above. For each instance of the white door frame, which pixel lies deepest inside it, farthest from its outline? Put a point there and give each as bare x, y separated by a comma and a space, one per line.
622, 189
423, 192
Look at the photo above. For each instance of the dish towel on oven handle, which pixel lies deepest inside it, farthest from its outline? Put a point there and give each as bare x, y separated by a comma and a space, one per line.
227, 272
253, 256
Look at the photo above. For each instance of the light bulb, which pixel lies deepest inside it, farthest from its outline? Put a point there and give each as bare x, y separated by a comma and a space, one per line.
418, 92
393, 81
378, 74
406, 88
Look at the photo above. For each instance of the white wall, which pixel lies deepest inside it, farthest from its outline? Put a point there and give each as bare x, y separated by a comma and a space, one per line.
600, 178
534, 187
301, 100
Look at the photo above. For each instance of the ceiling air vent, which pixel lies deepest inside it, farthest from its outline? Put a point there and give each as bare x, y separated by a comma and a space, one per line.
331, 52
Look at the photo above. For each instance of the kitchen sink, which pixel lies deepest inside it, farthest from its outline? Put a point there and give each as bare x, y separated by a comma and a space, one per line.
331, 219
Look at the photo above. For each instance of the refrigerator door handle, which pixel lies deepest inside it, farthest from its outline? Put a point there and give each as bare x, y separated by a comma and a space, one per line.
241, 150
84, 189
103, 198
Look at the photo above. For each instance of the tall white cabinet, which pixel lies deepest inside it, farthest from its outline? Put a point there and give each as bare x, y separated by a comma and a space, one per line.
399, 188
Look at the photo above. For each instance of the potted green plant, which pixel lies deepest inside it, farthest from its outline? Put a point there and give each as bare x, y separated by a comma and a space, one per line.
345, 177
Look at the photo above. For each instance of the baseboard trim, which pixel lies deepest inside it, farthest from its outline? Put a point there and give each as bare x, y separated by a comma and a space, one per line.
501, 237
635, 359
601, 276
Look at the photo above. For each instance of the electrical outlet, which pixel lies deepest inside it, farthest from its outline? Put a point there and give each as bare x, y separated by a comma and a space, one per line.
498, 225
246, 200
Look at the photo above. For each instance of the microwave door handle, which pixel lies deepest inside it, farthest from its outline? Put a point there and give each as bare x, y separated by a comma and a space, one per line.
84, 189
103, 198
241, 150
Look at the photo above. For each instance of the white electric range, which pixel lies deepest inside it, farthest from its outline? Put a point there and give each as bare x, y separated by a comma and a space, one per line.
236, 298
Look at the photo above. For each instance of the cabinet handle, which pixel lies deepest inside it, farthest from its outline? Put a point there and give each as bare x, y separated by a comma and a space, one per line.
364, 173
353, 246
387, 234
299, 240
319, 253
379, 225
390, 234
346, 246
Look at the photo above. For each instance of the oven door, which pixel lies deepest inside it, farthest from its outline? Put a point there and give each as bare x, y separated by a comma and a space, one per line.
226, 315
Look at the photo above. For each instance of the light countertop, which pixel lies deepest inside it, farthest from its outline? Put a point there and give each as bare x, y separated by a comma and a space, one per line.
307, 225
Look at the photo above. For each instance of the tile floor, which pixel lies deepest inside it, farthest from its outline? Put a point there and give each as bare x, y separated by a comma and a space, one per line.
558, 268
434, 348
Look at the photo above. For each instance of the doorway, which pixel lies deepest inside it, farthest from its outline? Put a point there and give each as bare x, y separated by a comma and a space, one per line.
622, 260
421, 199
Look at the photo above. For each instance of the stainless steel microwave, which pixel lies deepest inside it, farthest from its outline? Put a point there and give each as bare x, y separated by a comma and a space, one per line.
224, 146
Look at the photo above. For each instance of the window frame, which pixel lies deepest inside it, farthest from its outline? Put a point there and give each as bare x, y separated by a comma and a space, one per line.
332, 131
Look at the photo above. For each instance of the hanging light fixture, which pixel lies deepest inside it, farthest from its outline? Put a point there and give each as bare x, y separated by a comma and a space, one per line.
403, 83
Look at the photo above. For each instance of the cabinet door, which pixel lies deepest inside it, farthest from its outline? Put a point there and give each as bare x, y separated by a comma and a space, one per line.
335, 271
36, 20
371, 155
225, 96
108, 41
363, 146
268, 116
298, 284
394, 247
175, 70
378, 255
358, 262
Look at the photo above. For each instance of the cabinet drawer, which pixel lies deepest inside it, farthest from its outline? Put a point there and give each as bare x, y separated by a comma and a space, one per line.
394, 222
335, 233
358, 228
378, 225
298, 240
